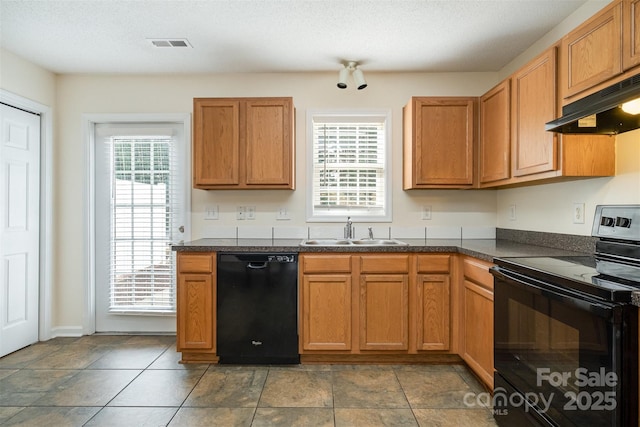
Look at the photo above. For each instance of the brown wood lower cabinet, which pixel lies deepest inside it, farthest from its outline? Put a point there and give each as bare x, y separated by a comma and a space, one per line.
384, 312
375, 304
196, 302
477, 322
432, 306
407, 306
433, 312
326, 312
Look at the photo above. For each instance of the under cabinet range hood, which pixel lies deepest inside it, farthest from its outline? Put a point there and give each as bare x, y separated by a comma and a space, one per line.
607, 112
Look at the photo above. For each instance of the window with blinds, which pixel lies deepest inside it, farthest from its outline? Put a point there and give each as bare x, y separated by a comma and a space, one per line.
143, 215
349, 167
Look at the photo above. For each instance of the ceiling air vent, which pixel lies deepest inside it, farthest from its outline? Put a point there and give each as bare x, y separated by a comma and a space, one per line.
170, 42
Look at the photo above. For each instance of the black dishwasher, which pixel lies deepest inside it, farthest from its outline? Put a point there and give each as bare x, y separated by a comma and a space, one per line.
257, 301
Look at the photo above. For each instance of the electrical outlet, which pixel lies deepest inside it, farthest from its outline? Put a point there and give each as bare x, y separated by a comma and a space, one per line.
211, 212
426, 212
241, 213
578, 213
512, 212
283, 214
251, 212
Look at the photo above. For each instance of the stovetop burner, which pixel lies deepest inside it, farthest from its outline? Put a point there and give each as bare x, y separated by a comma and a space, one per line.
573, 273
611, 274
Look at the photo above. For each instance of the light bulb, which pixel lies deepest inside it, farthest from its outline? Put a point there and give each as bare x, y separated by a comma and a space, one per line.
632, 107
342, 78
358, 76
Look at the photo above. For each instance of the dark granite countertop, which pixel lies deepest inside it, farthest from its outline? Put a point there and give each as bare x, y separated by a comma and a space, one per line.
485, 249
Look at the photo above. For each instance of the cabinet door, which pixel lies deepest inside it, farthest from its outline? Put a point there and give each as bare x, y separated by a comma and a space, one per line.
326, 312
269, 142
439, 142
216, 142
478, 330
432, 309
384, 312
534, 104
495, 133
630, 33
195, 318
591, 52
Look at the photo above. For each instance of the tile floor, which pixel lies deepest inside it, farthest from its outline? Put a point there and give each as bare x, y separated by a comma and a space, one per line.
107, 380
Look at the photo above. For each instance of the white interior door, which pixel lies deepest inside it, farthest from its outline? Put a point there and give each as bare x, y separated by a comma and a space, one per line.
19, 228
139, 212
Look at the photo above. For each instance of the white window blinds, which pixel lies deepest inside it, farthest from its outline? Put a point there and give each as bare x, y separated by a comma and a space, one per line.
349, 164
144, 216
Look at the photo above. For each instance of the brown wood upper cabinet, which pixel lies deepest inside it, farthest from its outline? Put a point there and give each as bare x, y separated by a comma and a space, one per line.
630, 33
439, 135
533, 104
243, 143
601, 51
514, 147
495, 134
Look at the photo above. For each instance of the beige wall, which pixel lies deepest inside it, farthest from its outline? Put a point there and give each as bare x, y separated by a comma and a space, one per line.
26, 79
549, 207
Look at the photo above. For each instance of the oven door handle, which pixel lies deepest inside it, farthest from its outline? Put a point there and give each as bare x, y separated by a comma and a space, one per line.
564, 296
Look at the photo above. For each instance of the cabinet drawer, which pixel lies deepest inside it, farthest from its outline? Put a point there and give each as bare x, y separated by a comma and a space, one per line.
326, 263
384, 264
433, 263
478, 272
195, 263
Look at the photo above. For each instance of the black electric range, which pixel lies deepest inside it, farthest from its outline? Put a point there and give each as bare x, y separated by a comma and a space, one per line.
611, 274
570, 317
574, 273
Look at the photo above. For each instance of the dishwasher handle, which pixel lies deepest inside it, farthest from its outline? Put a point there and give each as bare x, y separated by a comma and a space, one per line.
257, 258
257, 265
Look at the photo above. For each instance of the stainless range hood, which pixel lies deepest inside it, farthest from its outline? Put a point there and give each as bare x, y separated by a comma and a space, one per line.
601, 112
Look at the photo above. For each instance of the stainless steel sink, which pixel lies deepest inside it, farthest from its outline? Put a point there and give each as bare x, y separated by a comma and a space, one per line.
325, 242
350, 242
379, 242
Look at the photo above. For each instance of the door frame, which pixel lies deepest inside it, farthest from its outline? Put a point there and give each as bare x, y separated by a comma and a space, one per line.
45, 286
88, 123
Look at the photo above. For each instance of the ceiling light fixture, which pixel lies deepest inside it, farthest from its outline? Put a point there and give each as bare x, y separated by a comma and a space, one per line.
351, 68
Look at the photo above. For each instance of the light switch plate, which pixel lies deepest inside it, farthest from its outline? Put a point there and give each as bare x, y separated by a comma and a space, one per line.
283, 214
426, 212
211, 212
251, 212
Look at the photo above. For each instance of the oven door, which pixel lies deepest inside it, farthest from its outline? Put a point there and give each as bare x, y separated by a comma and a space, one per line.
560, 351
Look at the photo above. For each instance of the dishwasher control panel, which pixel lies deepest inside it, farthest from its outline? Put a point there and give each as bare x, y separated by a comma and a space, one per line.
281, 258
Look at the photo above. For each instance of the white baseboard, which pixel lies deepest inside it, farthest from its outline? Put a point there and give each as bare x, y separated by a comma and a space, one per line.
66, 331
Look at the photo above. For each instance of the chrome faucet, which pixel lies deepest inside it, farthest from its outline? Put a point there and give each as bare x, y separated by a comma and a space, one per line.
348, 229
370, 233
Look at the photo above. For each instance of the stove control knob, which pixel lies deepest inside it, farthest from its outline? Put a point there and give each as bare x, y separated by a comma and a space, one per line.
607, 221
623, 222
